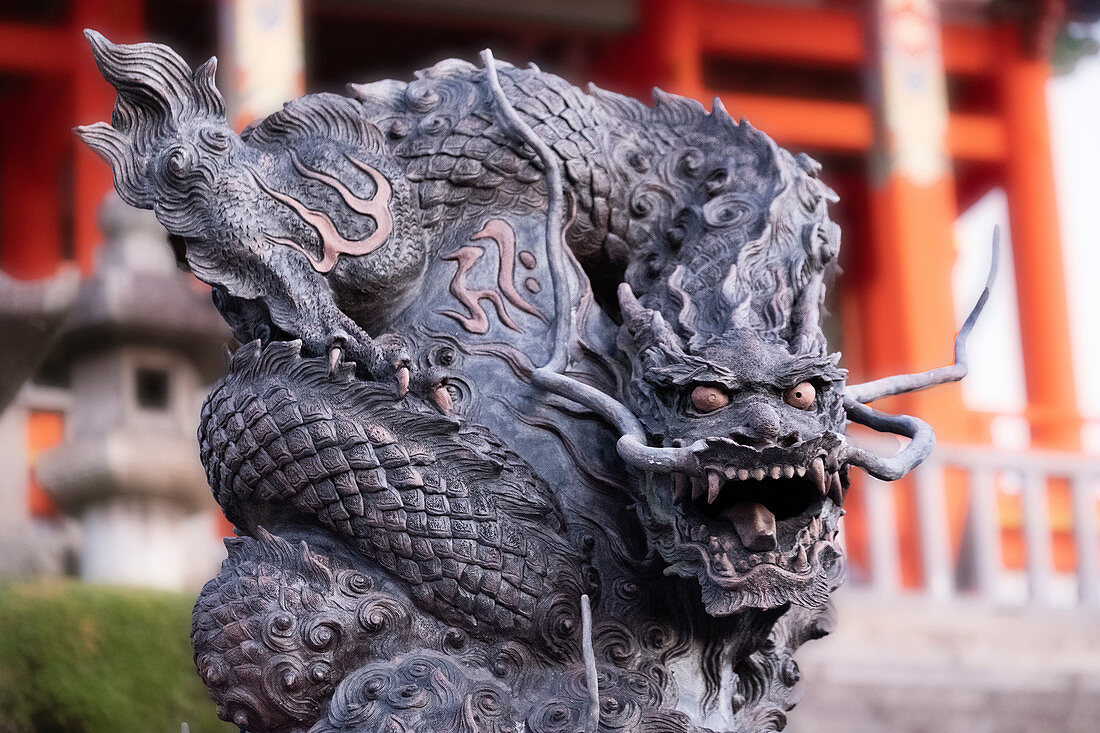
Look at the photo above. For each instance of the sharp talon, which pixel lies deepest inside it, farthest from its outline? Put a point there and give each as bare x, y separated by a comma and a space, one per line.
403, 381
442, 399
335, 353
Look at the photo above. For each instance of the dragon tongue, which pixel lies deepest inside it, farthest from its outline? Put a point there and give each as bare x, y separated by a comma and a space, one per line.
755, 525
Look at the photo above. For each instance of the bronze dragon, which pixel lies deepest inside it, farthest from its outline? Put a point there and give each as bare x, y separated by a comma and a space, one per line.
507, 345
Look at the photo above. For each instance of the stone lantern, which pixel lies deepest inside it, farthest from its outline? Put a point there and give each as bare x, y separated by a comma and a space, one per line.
140, 347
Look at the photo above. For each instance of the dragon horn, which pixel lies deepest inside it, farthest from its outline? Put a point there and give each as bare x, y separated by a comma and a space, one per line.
904, 383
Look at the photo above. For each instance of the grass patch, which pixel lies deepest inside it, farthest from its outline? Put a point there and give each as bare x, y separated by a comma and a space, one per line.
78, 658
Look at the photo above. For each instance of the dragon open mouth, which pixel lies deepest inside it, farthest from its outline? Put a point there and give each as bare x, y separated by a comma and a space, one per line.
758, 527
763, 504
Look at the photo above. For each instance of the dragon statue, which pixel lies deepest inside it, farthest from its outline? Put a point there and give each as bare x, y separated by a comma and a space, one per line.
533, 426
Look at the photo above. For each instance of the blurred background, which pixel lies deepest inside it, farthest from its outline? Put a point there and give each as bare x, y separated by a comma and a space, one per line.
973, 601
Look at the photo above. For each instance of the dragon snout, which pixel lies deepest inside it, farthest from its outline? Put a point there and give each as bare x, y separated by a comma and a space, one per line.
762, 427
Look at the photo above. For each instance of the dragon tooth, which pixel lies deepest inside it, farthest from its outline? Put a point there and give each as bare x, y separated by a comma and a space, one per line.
724, 563
800, 470
697, 487
714, 485
679, 487
755, 525
815, 526
777, 471
731, 473
801, 561
772, 558
836, 492
788, 471
817, 468
402, 381
742, 566
758, 474
742, 474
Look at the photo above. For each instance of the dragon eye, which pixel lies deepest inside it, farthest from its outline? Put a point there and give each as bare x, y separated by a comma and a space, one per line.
708, 399
801, 396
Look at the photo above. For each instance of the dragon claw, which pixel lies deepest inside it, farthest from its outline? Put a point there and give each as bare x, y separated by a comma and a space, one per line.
403, 377
335, 354
442, 398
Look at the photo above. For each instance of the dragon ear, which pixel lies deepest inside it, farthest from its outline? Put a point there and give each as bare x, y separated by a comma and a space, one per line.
115, 148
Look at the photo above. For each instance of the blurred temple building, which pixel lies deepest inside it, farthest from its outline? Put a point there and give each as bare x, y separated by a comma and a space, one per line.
974, 585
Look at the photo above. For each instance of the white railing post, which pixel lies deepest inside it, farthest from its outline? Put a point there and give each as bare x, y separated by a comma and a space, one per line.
882, 535
1085, 539
935, 548
1037, 535
985, 524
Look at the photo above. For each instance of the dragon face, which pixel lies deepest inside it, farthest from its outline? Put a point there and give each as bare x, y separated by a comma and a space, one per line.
753, 513
731, 375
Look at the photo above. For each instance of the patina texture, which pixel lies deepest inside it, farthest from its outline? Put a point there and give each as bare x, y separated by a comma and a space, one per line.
507, 344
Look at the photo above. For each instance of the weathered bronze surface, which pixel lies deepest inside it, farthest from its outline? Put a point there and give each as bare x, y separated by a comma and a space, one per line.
510, 348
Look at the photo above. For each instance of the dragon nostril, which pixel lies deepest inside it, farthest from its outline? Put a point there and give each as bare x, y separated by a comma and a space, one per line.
789, 440
763, 421
742, 438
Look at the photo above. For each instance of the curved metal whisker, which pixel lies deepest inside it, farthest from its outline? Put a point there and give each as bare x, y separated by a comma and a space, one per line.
921, 441
904, 383
633, 446
555, 213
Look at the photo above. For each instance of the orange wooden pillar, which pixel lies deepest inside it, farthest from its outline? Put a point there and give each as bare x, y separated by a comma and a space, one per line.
680, 54
34, 147
1052, 410
908, 314
261, 54
903, 284
666, 51
1037, 250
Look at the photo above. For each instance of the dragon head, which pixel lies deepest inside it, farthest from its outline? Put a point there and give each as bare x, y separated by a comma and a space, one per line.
168, 143
730, 370
735, 411
752, 510
740, 408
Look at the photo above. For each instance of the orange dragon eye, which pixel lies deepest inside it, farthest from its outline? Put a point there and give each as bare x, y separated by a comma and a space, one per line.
708, 399
800, 396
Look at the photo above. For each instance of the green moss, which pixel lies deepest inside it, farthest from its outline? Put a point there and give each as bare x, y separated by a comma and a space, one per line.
84, 659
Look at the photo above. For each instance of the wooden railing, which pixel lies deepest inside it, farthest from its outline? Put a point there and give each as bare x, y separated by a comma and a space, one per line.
978, 568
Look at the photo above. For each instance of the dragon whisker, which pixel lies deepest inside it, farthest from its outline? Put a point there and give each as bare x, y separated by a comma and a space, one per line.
920, 434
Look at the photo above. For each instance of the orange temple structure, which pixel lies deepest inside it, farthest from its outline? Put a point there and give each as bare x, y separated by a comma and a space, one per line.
814, 76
